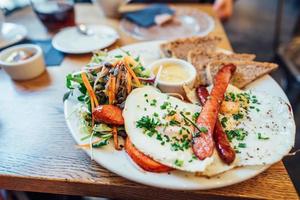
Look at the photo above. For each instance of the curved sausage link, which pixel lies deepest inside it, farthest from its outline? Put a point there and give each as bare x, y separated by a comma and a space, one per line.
144, 161
203, 144
225, 151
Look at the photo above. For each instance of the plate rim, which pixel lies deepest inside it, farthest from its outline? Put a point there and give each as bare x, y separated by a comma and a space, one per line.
16, 40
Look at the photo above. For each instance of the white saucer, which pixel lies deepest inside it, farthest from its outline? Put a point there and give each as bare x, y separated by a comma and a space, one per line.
11, 34
69, 40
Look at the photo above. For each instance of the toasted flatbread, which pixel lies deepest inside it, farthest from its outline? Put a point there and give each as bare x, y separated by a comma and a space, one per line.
179, 48
200, 59
246, 72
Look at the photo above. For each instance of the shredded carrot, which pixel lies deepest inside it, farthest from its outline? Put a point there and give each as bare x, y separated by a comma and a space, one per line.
115, 135
129, 83
113, 89
88, 145
110, 100
93, 99
108, 93
131, 72
89, 88
93, 108
130, 60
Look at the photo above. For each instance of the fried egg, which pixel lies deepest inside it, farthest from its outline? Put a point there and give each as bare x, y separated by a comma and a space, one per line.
262, 131
155, 124
260, 128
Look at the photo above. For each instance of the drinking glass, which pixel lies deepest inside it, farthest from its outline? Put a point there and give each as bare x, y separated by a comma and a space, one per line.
55, 14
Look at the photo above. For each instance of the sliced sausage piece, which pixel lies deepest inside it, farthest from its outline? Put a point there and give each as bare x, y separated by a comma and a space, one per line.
225, 151
203, 144
108, 114
144, 161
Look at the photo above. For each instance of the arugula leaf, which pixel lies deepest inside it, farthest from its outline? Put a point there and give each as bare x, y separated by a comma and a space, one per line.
67, 95
100, 144
69, 79
81, 98
102, 128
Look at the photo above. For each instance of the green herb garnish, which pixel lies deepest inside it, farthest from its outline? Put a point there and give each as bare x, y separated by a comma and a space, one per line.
238, 116
242, 145
224, 121
178, 163
238, 134
260, 137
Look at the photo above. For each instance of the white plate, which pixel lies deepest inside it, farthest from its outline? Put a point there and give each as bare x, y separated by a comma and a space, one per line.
69, 40
119, 162
11, 34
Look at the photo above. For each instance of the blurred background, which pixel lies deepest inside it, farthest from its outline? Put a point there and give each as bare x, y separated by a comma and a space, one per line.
273, 35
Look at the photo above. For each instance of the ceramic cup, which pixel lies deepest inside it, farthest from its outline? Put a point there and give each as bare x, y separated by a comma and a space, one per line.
110, 8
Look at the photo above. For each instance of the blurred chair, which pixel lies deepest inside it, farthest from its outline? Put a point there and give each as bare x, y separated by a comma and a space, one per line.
289, 55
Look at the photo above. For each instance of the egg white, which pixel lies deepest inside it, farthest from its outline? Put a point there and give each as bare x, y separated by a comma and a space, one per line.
135, 109
273, 119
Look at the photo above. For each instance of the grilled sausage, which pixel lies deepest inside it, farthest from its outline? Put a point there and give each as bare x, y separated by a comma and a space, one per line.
144, 161
225, 151
203, 144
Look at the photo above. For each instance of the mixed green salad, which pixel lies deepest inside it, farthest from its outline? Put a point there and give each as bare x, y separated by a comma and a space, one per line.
103, 86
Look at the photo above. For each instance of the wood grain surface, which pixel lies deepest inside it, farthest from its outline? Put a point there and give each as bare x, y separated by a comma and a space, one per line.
37, 152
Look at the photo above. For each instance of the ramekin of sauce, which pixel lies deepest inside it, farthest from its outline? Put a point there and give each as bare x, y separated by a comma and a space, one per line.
171, 74
22, 62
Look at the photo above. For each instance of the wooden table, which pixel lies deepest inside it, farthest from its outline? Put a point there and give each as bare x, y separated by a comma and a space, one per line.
37, 152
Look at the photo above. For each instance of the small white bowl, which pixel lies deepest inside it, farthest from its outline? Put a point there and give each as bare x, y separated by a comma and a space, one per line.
168, 87
24, 69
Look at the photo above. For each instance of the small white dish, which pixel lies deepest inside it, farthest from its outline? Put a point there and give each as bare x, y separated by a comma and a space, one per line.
26, 69
176, 85
70, 40
11, 34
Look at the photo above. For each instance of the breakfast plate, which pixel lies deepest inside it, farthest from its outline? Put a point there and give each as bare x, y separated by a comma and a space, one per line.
120, 163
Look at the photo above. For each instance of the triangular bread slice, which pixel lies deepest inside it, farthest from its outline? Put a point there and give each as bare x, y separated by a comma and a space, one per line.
246, 72
179, 48
200, 58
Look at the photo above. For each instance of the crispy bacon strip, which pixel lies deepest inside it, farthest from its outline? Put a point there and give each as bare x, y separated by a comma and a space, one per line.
203, 144
225, 151
144, 161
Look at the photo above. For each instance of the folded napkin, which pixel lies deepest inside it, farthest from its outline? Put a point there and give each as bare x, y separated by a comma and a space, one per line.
52, 56
146, 17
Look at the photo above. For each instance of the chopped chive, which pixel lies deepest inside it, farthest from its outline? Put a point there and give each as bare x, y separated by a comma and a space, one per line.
242, 145
223, 122
260, 137
195, 125
178, 163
